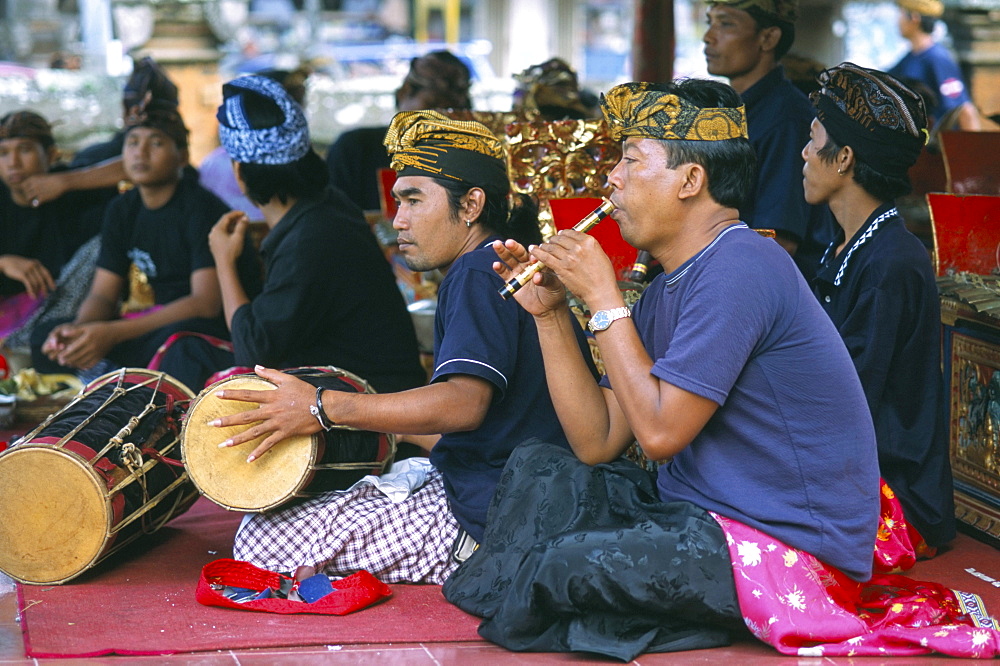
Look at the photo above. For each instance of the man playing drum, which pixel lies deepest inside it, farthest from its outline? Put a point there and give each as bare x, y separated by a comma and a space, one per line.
487, 393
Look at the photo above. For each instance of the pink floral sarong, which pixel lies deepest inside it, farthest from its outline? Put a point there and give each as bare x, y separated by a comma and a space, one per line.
802, 607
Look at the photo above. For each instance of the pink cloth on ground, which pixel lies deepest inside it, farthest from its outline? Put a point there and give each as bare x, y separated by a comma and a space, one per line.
15, 310
802, 607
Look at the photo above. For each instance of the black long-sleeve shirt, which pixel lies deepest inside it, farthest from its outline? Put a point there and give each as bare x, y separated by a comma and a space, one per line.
329, 298
880, 293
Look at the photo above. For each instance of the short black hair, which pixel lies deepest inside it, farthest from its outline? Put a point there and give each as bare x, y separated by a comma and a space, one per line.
519, 223
927, 23
306, 177
881, 187
731, 164
767, 21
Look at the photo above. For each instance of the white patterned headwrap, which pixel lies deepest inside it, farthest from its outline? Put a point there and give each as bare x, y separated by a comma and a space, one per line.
280, 144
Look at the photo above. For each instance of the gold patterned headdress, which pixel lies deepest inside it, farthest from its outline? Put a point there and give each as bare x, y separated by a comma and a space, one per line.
639, 110
427, 143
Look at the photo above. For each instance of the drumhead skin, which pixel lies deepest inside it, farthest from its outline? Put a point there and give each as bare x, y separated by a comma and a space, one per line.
50, 534
224, 475
64, 506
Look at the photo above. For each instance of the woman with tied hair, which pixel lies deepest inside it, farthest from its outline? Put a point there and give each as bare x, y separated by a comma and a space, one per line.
877, 284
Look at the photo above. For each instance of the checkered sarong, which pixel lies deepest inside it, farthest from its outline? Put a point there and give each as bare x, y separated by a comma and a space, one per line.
342, 532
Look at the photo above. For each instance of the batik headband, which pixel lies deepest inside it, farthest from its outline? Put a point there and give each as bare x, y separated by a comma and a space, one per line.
279, 144
883, 121
427, 143
165, 119
553, 83
26, 125
637, 110
149, 77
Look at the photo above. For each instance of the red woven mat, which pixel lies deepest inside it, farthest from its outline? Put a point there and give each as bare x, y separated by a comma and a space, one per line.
143, 602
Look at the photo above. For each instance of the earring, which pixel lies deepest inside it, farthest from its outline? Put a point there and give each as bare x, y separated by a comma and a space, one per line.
840, 172
468, 223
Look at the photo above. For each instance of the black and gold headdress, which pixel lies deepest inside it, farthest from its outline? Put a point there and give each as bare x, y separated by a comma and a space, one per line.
639, 110
932, 8
427, 143
148, 113
882, 120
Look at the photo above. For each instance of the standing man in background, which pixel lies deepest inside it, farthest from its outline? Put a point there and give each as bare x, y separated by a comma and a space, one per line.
933, 65
744, 42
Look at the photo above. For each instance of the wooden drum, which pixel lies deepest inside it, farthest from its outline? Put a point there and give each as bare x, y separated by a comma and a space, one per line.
93, 477
294, 468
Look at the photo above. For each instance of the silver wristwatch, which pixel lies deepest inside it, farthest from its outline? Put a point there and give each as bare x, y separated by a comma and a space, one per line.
604, 318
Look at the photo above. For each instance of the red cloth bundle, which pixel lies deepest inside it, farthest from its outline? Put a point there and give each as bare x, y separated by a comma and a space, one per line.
350, 594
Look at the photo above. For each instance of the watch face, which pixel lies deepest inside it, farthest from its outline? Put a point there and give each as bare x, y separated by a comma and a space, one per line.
601, 320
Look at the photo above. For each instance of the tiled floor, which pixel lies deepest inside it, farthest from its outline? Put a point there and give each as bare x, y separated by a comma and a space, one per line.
431, 654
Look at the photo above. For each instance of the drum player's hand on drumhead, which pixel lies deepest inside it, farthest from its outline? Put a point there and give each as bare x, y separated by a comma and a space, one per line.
280, 414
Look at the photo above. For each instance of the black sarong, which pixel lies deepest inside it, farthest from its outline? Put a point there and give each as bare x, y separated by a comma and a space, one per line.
588, 559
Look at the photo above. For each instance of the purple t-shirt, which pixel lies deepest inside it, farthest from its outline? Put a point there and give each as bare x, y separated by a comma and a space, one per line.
791, 449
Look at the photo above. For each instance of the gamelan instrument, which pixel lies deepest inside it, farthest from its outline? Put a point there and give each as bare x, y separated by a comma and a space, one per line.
98, 474
584, 225
640, 268
295, 467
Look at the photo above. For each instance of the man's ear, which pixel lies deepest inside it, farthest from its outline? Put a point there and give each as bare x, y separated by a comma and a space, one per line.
52, 154
473, 204
846, 159
185, 157
768, 38
694, 180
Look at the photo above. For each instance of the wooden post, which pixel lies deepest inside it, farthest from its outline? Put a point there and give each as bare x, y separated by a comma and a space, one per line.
653, 54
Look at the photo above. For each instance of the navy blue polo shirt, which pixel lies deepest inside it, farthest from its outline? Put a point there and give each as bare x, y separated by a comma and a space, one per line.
790, 450
881, 295
478, 333
778, 119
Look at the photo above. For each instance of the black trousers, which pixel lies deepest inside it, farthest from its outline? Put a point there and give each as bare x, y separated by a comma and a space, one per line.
588, 559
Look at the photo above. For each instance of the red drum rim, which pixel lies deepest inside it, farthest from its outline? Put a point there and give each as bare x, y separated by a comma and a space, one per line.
152, 378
